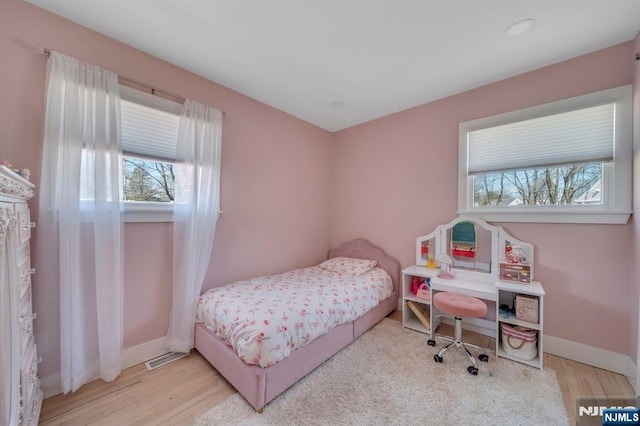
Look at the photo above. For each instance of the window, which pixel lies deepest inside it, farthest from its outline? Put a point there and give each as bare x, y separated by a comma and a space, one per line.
149, 136
564, 162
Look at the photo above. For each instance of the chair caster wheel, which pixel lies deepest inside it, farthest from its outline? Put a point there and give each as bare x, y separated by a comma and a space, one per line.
483, 357
437, 358
472, 370
431, 342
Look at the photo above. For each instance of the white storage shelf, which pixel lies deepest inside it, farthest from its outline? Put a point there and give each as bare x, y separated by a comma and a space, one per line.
409, 319
507, 292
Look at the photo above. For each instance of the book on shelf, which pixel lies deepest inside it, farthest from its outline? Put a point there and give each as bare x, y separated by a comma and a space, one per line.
421, 312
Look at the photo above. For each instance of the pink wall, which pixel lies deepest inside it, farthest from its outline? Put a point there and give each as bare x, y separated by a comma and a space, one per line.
275, 173
396, 178
634, 293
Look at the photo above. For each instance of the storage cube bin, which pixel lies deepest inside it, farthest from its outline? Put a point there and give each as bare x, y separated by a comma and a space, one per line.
526, 308
518, 341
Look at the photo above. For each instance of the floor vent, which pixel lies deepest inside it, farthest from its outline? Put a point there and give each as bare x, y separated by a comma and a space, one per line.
164, 360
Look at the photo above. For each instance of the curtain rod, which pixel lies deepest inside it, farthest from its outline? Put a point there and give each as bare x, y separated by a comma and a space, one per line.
136, 84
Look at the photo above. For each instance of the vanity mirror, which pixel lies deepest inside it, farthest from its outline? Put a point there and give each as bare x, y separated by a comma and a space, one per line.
475, 246
467, 256
469, 246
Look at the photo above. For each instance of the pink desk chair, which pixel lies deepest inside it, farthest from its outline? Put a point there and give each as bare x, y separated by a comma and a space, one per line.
459, 306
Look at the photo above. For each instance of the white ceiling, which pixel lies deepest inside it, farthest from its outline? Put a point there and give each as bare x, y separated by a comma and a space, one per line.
376, 56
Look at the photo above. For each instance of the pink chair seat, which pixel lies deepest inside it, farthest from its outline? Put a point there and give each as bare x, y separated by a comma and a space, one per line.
459, 305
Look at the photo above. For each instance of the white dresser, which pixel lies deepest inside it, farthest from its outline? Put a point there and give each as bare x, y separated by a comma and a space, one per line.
21, 393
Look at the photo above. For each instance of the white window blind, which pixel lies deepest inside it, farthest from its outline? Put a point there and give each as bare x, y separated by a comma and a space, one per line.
148, 132
579, 136
149, 125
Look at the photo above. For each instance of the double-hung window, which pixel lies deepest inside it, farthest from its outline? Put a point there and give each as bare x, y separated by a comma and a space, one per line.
149, 128
566, 162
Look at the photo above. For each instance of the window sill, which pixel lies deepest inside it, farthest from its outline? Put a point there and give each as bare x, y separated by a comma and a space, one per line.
139, 212
552, 217
142, 217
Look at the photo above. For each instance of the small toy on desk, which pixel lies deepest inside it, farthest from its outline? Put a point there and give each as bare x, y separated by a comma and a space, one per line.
431, 262
416, 282
420, 287
514, 253
445, 266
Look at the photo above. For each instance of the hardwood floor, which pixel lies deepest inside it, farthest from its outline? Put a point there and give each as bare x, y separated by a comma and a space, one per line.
174, 394
178, 393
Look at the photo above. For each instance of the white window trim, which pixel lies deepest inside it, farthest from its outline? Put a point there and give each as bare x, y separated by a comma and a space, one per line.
140, 211
617, 177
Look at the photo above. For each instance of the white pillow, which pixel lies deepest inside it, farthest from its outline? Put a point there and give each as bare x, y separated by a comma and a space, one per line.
348, 265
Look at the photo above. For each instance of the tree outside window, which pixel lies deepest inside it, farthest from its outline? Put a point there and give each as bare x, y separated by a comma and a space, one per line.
148, 180
576, 184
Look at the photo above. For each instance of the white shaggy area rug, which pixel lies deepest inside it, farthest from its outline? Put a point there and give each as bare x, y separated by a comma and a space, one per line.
388, 376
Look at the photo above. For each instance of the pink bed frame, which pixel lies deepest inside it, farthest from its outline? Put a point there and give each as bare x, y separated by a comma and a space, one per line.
260, 385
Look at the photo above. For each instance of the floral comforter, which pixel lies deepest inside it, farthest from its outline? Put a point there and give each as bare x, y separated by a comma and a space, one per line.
265, 319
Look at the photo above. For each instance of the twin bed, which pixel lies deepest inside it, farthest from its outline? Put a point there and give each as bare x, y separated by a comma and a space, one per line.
265, 334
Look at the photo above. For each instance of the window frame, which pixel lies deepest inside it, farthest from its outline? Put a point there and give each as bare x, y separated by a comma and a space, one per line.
147, 211
616, 175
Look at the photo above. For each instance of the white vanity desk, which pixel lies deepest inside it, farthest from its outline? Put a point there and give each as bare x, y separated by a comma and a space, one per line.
477, 288
485, 285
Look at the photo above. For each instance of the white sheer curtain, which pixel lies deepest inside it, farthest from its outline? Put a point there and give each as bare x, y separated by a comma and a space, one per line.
196, 209
79, 238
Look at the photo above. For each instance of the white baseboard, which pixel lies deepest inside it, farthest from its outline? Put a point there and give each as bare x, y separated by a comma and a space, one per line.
143, 352
597, 357
51, 385
131, 356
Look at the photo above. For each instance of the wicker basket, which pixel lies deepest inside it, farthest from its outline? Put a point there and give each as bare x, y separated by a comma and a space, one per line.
518, 341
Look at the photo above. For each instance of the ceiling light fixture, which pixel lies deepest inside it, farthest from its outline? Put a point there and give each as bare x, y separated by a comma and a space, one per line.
520, 27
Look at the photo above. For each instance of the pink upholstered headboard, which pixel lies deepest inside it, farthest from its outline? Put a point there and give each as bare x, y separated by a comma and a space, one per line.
363, 249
